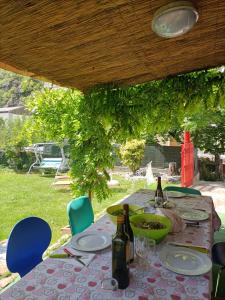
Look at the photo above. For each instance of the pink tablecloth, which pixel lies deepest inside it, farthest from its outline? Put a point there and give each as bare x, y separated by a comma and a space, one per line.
66, 279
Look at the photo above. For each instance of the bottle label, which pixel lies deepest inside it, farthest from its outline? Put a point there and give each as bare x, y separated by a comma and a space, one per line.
159, 201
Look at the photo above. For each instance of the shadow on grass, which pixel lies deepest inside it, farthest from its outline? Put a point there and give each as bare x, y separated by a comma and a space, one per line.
64, 191
118, 189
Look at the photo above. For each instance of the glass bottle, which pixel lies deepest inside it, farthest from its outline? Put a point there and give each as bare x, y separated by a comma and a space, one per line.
129, 232
159, 198
120, 270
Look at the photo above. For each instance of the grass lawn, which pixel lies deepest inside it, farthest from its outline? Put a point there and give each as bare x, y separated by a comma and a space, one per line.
23, 195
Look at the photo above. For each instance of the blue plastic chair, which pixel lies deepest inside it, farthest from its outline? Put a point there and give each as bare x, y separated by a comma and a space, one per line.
80, 214
27, 242
184, 190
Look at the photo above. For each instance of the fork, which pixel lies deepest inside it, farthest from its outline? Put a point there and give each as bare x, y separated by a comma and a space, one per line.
77, 257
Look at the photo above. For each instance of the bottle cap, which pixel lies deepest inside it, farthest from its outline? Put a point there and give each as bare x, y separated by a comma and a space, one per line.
120, 219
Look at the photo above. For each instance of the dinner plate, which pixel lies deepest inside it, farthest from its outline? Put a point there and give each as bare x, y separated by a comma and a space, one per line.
185, 261
91, 241
169, 204
193, 215
174, 194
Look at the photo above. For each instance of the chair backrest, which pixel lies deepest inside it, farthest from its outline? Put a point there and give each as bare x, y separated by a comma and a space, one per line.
184, 190
27, 242
80, 214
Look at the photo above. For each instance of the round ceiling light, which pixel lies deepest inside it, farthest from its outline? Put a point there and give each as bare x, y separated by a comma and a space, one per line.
174, 19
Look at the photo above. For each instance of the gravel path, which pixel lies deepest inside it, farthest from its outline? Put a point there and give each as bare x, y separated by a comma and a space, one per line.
215, 189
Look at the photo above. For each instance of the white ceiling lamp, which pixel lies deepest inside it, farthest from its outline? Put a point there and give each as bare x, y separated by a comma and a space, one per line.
174, 19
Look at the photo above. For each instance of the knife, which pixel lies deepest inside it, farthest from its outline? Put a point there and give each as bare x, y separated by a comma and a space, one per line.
64, 255
194, 247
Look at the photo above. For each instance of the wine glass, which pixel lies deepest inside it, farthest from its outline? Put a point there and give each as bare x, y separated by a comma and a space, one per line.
110, 287
145, 250
109, 284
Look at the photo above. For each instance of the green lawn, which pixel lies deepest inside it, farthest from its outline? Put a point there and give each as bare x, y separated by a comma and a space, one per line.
23, 195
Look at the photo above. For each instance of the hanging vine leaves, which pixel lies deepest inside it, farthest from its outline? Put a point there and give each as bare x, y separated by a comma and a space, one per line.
111, 114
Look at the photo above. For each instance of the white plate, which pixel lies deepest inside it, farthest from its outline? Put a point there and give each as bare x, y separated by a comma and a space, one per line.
185, 261
193, 215
174, 194
169, 204
91, 241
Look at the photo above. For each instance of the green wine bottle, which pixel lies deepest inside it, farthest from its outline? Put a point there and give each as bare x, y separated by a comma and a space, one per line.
159, 198
129, 232
120, 253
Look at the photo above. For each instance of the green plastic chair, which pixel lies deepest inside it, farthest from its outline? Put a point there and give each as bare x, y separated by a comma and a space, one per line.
80, 214
184, 190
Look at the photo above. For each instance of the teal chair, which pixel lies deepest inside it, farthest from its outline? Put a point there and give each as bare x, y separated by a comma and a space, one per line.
80, 214
184, 190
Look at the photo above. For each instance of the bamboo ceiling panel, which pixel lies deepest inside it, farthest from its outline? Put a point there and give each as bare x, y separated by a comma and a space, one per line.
82, 43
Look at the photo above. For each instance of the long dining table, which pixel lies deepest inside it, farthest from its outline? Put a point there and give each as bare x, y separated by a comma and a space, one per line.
67, 279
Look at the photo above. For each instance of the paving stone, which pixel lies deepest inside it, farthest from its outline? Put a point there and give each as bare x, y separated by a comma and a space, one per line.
7, 280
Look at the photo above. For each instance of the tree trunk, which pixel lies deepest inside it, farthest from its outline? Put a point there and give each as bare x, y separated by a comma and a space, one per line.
218, 167
90, 195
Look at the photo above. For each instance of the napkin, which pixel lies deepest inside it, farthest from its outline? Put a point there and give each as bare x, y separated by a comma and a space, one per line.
86, 256
178, 223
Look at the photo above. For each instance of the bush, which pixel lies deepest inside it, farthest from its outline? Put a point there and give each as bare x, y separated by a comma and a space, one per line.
3, 159
132, 154
207, 170
18, 160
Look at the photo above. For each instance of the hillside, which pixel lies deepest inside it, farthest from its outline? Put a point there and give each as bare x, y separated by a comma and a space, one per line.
15, 88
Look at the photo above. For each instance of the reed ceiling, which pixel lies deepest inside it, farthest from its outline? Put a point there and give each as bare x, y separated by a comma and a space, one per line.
81, 43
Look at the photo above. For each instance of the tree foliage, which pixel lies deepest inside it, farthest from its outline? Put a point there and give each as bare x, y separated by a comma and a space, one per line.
64, 114
208, 134
15, 88
132, 153
109, 114
12, 142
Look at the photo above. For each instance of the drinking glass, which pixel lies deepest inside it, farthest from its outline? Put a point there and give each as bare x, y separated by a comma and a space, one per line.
166, 195
145, 250
109, 284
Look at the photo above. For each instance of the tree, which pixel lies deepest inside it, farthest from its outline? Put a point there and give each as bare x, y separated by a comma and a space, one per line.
15, 88
12, 142
64, 114
208, 134
132, 154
